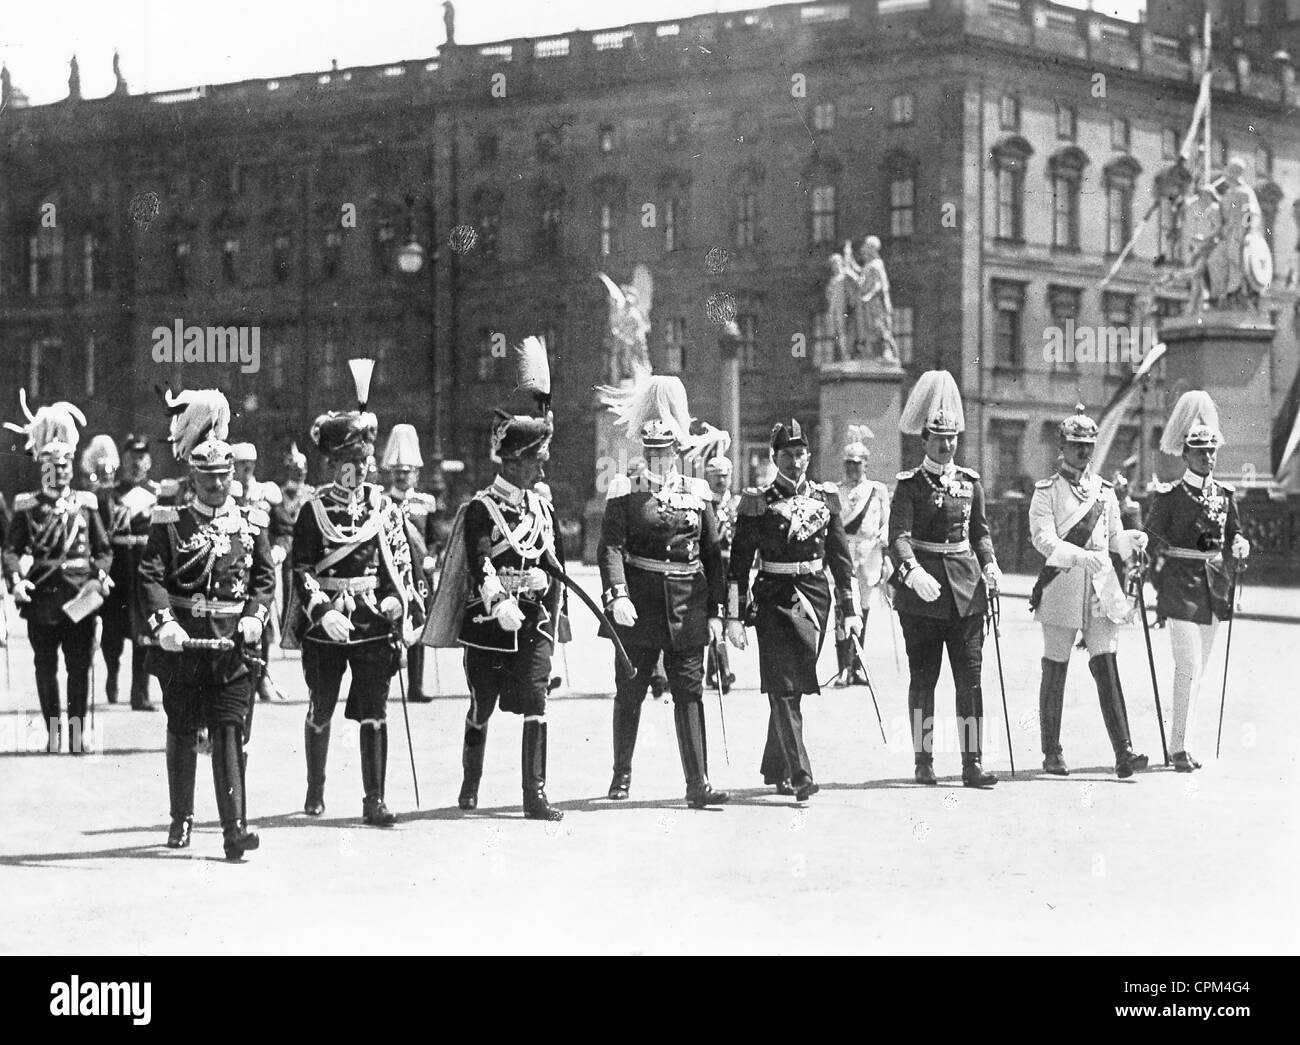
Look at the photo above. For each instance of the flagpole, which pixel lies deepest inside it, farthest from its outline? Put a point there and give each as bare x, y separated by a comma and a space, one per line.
1210, 77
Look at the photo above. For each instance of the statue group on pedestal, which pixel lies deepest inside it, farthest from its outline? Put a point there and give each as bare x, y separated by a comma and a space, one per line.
858, 304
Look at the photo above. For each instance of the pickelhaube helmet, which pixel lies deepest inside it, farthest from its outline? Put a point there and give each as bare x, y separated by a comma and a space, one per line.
1193, 425
213, 455
1079, 427
718, 466
402, 449
933, 406
786, 435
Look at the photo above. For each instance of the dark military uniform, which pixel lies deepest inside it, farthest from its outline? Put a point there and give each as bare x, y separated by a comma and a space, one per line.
792, 534
421, 510
70, 549
1190, 529
937, 522
659, 547
724, 510
264, 496
125, 510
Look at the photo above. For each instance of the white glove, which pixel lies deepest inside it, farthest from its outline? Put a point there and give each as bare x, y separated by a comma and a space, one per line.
1240, 547
430, 564
1094, 562
736, 634
993, 577
391, 607
105, 584
23, 590
853, 625
335, 625
278, 554
716, 632
508, 614
1139, 539
623, 611
171, 637
923, 584
250, 630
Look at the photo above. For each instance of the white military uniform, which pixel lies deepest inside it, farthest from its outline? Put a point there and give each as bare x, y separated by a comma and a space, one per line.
866, 523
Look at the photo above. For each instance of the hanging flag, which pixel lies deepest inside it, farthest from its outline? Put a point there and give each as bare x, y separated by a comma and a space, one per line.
1121, 404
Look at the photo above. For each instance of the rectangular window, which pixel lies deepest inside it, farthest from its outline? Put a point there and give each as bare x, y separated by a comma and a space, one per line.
746, 219
904, 322
549, 228
1009, 112
229, 259
1263, 163
1010, 186
90, 365
902, 200
606, 138
1008, 305
900, 109
606, 229
675, 346
1065, 212
1169, 142
1064, 122
823, 116
1119, 134
1063, 304
823, 346
1119, 216
672, 224
332, 256
823, 214
1167, 241
748, 348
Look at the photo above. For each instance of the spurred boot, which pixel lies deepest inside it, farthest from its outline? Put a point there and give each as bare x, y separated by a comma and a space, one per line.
374, 767
689, 719
471, 761
1051, 698
920, 711
536, 805
317, 745
843, 662
1105, 671
110, 682
228, 778
973, 774
140, 680
182, 763
627, 720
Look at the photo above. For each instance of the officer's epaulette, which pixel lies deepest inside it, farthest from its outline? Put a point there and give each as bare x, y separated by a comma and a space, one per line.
25, 501
272, 493
1043, 484
169, 488
164, 515
970, 473
619, 486
86, 499
907, 474
1226, 487
752, 502
830, 494
258, 517
1106, 484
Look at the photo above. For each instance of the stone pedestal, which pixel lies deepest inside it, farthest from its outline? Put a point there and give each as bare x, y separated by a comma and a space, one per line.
1229, 355
860, 392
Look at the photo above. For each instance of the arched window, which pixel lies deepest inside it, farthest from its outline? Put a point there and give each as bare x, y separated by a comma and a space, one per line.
1065, 172
675, 187
487, 219
1120, 177
1010, 158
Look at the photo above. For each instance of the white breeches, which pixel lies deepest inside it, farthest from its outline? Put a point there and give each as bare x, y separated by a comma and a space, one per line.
1192, 644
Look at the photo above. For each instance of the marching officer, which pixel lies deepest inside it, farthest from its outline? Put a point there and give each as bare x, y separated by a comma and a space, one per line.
661, 572
207, 577
940, 539
125, 508
295, 491
402, 462
866, 525
61, 531
494, 598
1196, 537
792, 530
251, 492
352, 604
717, 471
1075, 524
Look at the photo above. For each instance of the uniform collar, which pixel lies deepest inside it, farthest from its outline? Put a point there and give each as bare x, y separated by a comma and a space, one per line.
788, 487
506, 491
944, 471
398, 495
208, 513
1196, 482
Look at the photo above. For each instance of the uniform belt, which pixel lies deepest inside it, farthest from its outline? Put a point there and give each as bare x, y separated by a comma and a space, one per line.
201, 606
1192, 553
671, 569
942, 547
67, 564
791, 569
531, 578
132, 540
352, 585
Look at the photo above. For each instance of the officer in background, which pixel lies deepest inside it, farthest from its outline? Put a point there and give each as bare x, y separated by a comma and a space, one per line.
251, 492
866, 525
718, 473
939, 537
62, 590
792, 531
125, 508
402, 462
295, 491
207, 575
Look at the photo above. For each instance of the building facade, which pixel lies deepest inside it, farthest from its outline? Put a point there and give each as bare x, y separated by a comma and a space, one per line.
1002, 150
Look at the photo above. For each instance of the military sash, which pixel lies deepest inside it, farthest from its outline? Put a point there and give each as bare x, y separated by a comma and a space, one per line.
1077, 535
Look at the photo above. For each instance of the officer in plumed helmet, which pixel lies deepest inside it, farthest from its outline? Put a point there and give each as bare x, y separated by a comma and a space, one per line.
939, 536
792, 532
207, 577
354, 603
1075, 524
58, 531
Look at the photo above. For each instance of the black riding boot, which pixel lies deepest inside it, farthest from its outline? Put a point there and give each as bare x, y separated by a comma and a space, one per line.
920, 711
689, 719
317, 746
415, 676
182, 763
1051, 698
228, 778
374, 767
536, 806
1106, 673
471, 761
140, 680
627, 720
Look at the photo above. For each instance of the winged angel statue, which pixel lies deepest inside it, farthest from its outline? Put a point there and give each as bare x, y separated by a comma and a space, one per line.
626, 350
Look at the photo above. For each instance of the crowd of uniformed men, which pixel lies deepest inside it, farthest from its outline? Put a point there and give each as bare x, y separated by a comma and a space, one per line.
201, 574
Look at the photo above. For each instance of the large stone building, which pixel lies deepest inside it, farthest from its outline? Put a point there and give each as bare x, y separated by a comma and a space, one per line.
1002, 150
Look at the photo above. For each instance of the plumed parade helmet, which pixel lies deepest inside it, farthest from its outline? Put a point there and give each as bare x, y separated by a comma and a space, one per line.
1193, 425
200, 423
402, 449
653, 408
1078, 427
934, 406
786, 434
340, 429
857, 449
52, 432
519, 436
710, 445
99, 460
